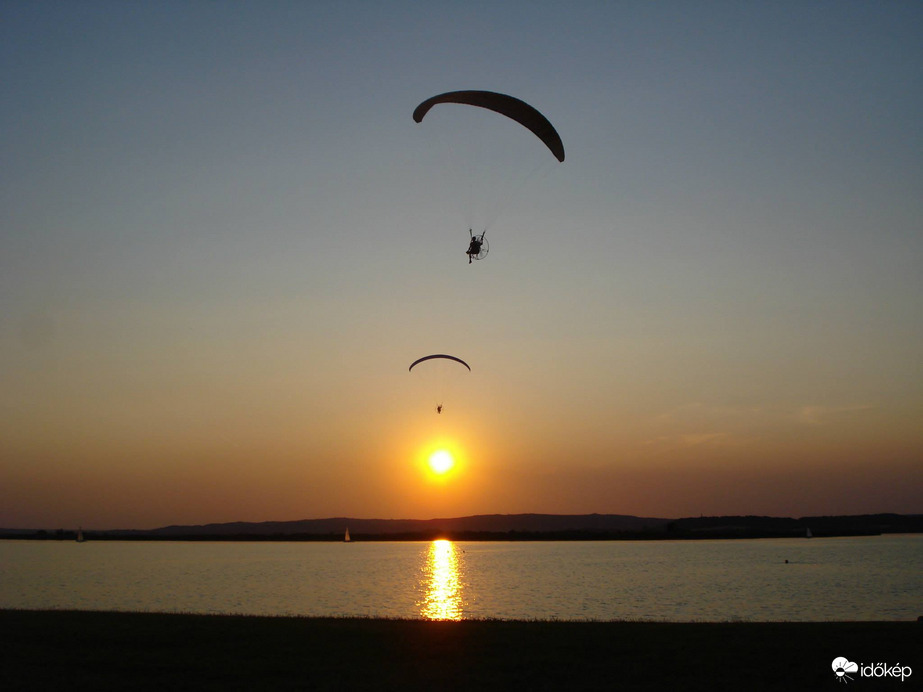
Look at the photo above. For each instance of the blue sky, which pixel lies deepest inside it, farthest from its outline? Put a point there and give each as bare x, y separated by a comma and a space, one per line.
224, 239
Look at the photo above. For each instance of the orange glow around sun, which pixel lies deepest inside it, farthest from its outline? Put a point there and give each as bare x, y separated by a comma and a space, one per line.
441, 462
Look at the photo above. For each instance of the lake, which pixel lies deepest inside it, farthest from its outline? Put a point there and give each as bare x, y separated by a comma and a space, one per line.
824, 579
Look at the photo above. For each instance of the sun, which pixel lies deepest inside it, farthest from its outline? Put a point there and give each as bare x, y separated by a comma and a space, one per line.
441, 462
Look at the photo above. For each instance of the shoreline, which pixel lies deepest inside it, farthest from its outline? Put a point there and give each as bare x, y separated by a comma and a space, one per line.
455, 537
49, 649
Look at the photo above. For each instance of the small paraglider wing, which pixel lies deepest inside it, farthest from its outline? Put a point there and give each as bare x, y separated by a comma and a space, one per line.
511, 107
438, 355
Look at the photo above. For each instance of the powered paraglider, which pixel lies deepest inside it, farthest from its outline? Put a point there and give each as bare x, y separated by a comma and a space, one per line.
484, 189
439, 368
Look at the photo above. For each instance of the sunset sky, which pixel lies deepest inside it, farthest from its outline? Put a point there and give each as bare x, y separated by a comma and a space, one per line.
223, 240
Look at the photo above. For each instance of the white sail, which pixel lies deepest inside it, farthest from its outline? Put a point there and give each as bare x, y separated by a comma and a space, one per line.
346, 538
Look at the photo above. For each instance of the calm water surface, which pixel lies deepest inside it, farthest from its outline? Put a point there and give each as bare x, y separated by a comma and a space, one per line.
868, 578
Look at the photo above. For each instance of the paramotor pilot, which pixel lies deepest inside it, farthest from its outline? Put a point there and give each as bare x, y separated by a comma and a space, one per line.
474, 247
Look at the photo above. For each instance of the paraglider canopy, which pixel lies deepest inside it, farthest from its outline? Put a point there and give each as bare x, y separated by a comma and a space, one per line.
511, 107
442, 369
438, 355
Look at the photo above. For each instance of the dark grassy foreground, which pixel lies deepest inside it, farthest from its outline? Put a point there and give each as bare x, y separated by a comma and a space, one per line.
64, 650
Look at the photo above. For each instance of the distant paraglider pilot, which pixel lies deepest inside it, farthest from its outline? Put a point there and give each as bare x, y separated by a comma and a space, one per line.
439, 408
475, 246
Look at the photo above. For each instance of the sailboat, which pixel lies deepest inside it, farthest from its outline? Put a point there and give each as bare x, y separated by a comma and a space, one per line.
80, 538
346, 538
808, 534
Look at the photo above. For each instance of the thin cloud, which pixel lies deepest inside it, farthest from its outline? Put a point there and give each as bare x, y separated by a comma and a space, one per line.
670, 443
822, 415
712, 438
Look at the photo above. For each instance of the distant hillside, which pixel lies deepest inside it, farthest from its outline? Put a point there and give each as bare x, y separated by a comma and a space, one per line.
485, 523
512, 527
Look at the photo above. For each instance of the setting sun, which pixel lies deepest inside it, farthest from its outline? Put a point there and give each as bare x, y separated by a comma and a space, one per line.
441, 461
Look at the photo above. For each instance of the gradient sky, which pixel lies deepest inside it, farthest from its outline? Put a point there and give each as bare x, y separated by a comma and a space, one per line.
223, 239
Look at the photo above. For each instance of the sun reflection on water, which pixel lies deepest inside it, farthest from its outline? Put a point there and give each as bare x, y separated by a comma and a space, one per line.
441, 582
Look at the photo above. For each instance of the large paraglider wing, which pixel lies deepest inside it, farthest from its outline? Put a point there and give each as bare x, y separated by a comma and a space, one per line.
439, 355
511, 107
